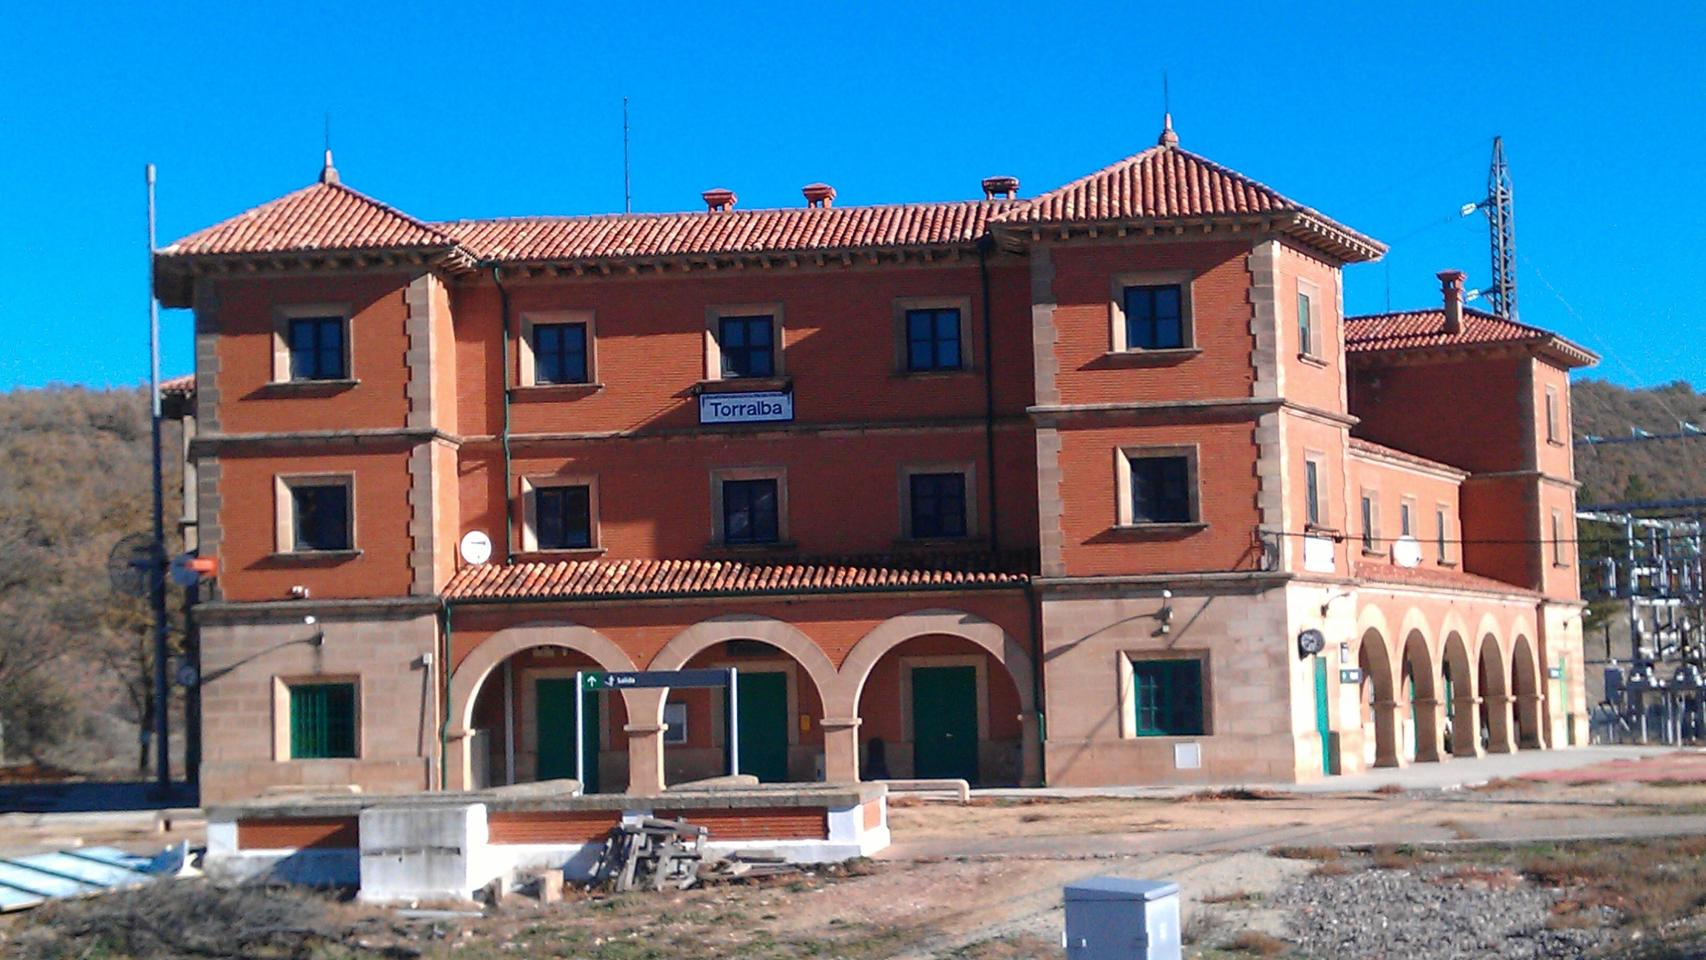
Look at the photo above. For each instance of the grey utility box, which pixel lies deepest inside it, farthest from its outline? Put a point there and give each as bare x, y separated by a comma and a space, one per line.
1113, 918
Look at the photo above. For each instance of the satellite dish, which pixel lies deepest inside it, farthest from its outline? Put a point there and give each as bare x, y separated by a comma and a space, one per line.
476, 548
1407, 552
135, 565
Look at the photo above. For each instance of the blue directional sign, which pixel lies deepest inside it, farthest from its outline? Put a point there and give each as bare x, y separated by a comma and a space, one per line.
643, 679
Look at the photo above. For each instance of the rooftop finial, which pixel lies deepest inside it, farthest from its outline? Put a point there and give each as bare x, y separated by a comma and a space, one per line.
1168, 138
328, 173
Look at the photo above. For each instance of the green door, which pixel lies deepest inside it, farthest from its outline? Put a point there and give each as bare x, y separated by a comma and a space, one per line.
554, 716
1323, 725
944, 723
764, 726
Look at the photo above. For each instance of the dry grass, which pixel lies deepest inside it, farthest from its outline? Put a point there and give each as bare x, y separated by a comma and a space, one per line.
1505, 784
1330, 868
1389, 789
1487, 878
1237, 897
1258, 944
1397, 858
1321, 853
1231, 793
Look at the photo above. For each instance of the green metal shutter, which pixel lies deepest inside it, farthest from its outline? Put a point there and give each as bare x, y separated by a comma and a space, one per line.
322, 721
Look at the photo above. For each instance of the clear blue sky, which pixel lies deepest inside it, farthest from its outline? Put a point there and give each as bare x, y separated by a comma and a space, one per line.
1381, 118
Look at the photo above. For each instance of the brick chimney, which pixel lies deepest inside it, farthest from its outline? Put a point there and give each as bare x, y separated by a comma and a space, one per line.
718, 198
1451, 286
1000, 188
819, 194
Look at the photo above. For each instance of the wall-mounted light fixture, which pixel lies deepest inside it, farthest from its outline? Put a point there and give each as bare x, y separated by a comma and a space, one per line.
319, 637
1165, 614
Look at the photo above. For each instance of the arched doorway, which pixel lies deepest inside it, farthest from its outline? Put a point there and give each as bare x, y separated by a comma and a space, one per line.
1525, 686
1495, 697
780, 675
941, 694
1461, 698
1379, 709
1421, 692
513, 710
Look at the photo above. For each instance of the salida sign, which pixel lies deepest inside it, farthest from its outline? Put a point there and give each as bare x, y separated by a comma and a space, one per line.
758, 407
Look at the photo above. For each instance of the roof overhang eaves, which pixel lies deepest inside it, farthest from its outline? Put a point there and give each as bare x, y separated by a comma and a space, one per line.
741, 259
175, 272
1548, 345
1308, 229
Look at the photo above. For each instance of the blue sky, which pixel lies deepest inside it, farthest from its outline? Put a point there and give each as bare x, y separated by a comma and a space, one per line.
1379, 115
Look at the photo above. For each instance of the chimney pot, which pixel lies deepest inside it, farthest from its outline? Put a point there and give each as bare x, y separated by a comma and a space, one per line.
718, 198
1451, 288
1000, 188
818, 194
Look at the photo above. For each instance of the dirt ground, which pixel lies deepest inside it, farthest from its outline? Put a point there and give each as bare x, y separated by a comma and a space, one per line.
985, 880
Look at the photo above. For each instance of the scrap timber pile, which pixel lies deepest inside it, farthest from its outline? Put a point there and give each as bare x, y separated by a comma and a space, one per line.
653, 854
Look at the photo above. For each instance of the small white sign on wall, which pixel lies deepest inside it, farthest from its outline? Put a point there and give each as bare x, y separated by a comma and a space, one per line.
1318, 554
1187, 756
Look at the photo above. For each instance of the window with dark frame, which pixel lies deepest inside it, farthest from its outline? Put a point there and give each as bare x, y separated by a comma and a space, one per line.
1558, 554
1168, 698
933, 339
322, 721
562, 517
1312, 489
1154, 317
1439, 520
1367, 523
1305, 324
317, 348
1551, 414
938, 502
750, 511
747, 345
1404, 519
1160, 489
559, 353
320, 515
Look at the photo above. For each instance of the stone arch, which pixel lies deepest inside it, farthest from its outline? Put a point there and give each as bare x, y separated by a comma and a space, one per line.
1459, 670
893, 632
1494, 677
1377, 705
1419, 685
470, 675
842, 707
740, 626
1525, 688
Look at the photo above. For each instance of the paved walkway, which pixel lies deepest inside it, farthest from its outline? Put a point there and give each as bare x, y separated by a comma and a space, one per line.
1451, 774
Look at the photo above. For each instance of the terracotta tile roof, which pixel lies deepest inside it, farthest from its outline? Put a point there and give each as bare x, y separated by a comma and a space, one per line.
321, 217
1425, 576
605, 579
725, 232
1380, 449
183, 386
1167, 183
1422, 329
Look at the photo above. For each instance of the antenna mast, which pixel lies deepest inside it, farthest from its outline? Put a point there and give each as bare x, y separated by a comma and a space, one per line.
1501, 230
627, 187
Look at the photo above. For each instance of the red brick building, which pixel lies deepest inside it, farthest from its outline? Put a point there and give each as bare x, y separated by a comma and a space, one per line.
1095, 486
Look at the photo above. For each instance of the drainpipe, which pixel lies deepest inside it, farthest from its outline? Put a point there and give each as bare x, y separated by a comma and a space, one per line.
509, 499
1037, 688
983, 246
444, 695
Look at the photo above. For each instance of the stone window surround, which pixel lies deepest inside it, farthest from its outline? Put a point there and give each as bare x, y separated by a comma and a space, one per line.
284, 511
1442, 517
281, 715
1552, 416
1122, 484
714, 353
898, 318
722, 474
904, 475
1368, 533
529, 513
282, 314
1323, 502
1128, 699
525, 375
1151, 278
1560, 554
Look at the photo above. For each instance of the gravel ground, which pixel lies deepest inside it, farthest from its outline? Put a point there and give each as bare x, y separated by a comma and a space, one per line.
1423, 915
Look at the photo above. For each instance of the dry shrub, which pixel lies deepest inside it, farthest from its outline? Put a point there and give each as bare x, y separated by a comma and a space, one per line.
1321, 853
1398, 858
1501, 784
1490, 878
1232, 896
1389, 789
1258, 944
1330, 868
184, 918
1231, 793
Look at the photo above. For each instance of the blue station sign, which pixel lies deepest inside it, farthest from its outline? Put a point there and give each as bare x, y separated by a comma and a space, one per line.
643, 679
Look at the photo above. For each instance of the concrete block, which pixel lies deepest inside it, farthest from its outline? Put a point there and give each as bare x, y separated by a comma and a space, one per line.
411, 853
